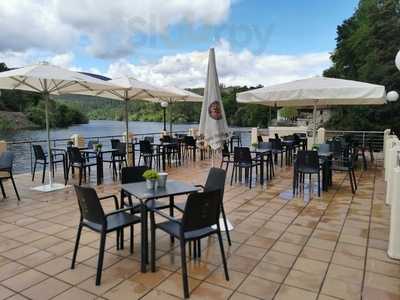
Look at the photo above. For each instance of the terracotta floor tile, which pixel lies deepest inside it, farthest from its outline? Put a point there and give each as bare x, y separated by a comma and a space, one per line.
316, 254
258, 287
251, 252
128, 289
55, 266
173, 285
24, 280
348, 260
37, 258
159, 295
260, 242
241, 296
208, 291
310, 266
218, 278
382, 267
46, 289
303, 280
150, 279
76, 294
198, 269
241, 264
78, 275
382, 282
11, 269
271, 272
5, 293
287, 248
373, 294
289, 293
345, 274
341, 289
280, 259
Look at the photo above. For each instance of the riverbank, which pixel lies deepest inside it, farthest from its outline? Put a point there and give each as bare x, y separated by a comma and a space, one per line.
15, 121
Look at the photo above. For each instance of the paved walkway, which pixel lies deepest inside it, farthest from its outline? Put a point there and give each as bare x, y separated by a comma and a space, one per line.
333, 247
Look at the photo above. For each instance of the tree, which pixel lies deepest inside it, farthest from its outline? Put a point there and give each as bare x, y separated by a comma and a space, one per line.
366, 45
290, 113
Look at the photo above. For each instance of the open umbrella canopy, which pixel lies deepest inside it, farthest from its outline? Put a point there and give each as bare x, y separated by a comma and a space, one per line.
130, 88
50, 79
181, 95
320, 91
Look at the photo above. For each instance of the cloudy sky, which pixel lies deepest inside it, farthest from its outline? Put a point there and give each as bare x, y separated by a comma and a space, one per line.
166, 42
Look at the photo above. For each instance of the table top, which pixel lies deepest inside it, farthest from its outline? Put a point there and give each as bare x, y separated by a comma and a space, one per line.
102, 150
325, 154
172, 188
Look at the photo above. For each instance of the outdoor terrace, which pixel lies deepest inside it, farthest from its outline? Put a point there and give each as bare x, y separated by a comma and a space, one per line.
333, 247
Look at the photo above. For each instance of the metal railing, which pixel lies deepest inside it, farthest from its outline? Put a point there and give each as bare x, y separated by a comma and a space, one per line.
24, 156
364, 138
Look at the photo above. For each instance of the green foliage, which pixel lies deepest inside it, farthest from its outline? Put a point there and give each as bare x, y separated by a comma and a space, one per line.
367, 44
6, 125
289, 112
150, 175
32, 105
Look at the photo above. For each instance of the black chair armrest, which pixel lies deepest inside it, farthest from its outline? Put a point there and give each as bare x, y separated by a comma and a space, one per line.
163, 214
200, 186
111, 196
117, 211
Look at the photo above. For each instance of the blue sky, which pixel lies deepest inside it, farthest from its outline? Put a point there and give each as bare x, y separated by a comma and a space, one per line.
289, 38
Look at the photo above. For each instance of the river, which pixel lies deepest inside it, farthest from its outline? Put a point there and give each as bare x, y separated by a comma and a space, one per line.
95, 128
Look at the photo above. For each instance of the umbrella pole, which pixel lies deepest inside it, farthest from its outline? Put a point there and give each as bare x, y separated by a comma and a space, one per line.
170, 118
46, 98
314, 122
127, 128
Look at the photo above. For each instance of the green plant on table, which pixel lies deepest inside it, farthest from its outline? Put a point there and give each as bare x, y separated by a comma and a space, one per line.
150, 175
315, 147
98, 147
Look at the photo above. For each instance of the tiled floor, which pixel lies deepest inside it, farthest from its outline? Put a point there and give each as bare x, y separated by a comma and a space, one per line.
333, 247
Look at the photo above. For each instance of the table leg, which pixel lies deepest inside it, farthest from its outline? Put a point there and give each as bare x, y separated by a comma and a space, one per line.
262, 169
144, 244
171, 211
99, 168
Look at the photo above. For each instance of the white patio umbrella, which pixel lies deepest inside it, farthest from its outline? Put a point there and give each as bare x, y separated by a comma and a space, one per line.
49, 80
180, 96
213, 125
316, 92
128, 89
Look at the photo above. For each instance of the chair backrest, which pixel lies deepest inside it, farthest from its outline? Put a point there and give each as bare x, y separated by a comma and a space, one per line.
225, 150
324, 148
216, 180
189, 140
133, 174
91, 143
242, 155
75, 155
277, 136
201, 210
308, 159
121, 149
89, 205
166, 139
265, 145
259, 139
149, 139
6, 160
276, 144
115, 143
145, 146
38, 151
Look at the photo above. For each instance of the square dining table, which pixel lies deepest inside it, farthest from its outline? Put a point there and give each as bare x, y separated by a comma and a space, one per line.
140, 191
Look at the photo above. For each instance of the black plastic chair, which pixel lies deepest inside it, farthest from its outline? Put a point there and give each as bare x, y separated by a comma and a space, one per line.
41, 158
76, 160
346, 164
243, 161
215, 181
94, 218
269, 158
6, 165
278, 149
307, 163
189, 146
148, 154
227, 158
201, 212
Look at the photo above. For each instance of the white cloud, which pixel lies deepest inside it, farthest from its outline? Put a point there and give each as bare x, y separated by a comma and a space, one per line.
107, 28
234, 68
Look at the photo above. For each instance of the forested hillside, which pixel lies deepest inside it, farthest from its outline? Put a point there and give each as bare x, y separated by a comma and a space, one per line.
367, 44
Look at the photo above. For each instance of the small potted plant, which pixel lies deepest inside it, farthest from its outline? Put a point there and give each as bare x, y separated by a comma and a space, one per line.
98, 147
315, 147
70, 144
255, 145
151, 177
